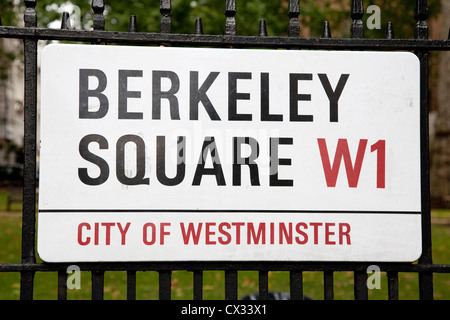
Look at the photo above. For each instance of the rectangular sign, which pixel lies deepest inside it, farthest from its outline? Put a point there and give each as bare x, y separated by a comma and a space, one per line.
182, 154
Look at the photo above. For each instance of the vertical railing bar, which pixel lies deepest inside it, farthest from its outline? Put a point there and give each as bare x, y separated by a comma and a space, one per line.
62, 285
421, 32
230, 21
198, 285
29, 178
231, 287
263, 285
294, 23
165, 284
99, 20
131, 284
392, 285
296, 284
328, 287
166, 22
360, 285
98, 281
357, 28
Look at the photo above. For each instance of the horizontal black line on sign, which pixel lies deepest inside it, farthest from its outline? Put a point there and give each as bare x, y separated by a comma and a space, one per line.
218, 211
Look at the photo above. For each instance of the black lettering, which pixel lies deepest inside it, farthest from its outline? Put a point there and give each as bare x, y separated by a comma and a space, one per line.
238, 160
199, 94
234, 96
209, 147
265, 114
294, 96
124, 94
140, 161
95, 159
161, 161
85, 93
333, 95
158, 94
275, 162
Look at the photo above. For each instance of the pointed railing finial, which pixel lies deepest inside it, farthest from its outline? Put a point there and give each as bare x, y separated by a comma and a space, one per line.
262, 31
389, 31
421, 14
65, 21
357, 28
30, 14
198, 28
230, 21
99, 20
132, 25
294, 23
166, 22
326, 30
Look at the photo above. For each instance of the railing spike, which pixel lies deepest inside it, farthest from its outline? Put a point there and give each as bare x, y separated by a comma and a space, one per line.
326, 31
389, 31
357, 28
421, 14
30, 14
198, 29
262, 32
132, 26
166, 22
65, 21
230, 22
99, 20
294, 23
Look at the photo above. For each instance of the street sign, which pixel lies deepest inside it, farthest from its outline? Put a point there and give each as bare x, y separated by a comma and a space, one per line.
191, 154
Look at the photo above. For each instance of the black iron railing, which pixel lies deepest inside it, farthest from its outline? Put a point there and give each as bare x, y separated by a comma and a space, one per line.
31, 34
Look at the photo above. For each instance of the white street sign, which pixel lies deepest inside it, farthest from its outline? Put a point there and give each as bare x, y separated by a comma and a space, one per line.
182, 154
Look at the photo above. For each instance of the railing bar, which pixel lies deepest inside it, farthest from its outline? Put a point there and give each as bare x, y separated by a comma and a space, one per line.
231, 287
263, 285
131, 285
165, 284
328, 287
29, 172
392, 285
98, 281
360, 285
296, 284
198, 285
62, 285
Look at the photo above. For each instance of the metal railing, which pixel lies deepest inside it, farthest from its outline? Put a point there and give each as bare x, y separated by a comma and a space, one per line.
31, 34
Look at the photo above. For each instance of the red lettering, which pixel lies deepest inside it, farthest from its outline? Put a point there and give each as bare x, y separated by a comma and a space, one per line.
316, 226
108, 226
251, 234
209, 233
96, 232
225, 233
123, 231
152, 232
300, 232
191, 232
163, 233
342, 151
238, 226
82, 242
380, 147
328, 233
285, 233
344, 233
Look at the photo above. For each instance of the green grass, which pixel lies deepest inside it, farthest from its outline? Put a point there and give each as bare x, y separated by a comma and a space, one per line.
213, 281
